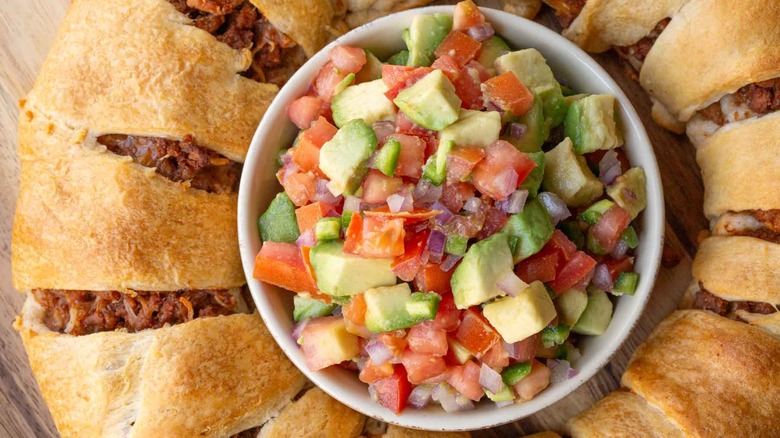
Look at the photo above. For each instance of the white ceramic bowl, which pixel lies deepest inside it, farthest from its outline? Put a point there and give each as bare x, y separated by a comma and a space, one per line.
258, 186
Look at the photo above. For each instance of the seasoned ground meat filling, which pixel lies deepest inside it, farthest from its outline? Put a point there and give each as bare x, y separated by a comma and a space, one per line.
240, 25
566, 11
635, 54
178, 160
83, 312
760, 224
705, 300
755, 99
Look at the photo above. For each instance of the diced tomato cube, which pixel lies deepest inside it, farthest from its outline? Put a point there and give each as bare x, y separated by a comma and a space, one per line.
304, 110
497, 357
610, 227
372, 372
616, 266
461, 47
573, 272
467, 86
494, 221
466, 14
533, 383
397, 79
448, 315
421, 367
412, 156
454, 196
502, 170
395, 340
539, 267
405, 125
300, 187
560, 244
354, 234
426, 338
393, 391
409, 217
526, 349
430, 278
465, 379
282, 264
348, 59
475, 333
408, 264
320, 132
306, 155
355, 309
327, 79
506, 91
461, 162
448, 66
382, 237
378, 186
308, 215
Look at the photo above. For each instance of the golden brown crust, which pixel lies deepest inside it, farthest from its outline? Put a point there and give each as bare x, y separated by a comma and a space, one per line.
710, 49
770, 323
308, 22
400, 432
603, 24
141, 68
709, 375
209, 377
623, 414
315, 415
87, 219
739, 268
740, 166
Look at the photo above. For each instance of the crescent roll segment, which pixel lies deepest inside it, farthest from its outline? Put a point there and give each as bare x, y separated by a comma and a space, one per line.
623, 414
740, 166
400, 432
141, 68
739, 268
709, 375
211, 377
325, 418
712, 48
603, 24
305, 21
87, 219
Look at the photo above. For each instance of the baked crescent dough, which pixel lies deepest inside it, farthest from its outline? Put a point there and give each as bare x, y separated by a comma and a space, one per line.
87, 219
709, 375
603, 24
623, 414
307, 22
738, 268
710, 49
400, 432
325, 418
211, 377
141, 68
740, 166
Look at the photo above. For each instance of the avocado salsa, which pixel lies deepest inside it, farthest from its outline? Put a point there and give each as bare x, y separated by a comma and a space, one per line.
453, 219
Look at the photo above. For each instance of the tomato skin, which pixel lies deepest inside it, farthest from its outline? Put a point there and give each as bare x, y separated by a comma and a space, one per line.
465, 378
466, 14
467, 86
320, 132
461, 162
426, 338
449, 66
502, 158
408, 264
475, 333
307, 156
497, 357
300, 187
372, 372
348, 59
421, 367
539, 267
378, 186
448, 315
573, 272
282, 264
395, 341
382, 238
326, 81
399, 79
430, 278
610, 227
308, 215
305, 110
412, 156
355, 309
354, 233
393, 391
533, 383
616, 266
508, 93
461, 47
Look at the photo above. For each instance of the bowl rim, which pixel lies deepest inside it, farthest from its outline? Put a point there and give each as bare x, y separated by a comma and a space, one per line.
653, 221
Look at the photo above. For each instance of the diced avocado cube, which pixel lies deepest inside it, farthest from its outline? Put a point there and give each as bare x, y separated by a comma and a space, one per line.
504, 395
341, 86
425, 34
336, 270
533, 227
307, 307
514, 373
630, 238
534, 179
570, 305
343, 159
396, 307
326, 342
435, 169
327, 228
531, 68
516, 318
593, 213
629, 191
462, 355
597, 315
386, 159
591, 125
534, 136
570, 99
567, 175
400, 58
371, 70
492, 48
431, 102
485, 263
573, 232
278, 223
554, 335
456, 244
365, 101
626, 283
346, 218
473, 128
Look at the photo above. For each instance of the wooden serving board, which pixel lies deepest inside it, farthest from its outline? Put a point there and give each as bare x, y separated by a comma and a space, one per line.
27, 29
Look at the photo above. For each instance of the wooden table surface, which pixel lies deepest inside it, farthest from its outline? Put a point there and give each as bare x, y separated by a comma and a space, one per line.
27, 29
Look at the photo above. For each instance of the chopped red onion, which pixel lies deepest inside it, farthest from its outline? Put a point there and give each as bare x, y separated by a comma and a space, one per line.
383, 129
290, 169
449, 262
555, 205
515, 203
490, 379
505, 403
426, 193
395, 203
472, 205
559, 370
583, 284
420, 396
445, 214
511, 284
352, 203
492, 106
517, 130
337, 311
286, 158
523, 350
378, 352
323, 194
372, 392
602, 279
464, 403
298, 330
609, 167
306, 239
436, 242
481, 32
449, 399
620, 250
